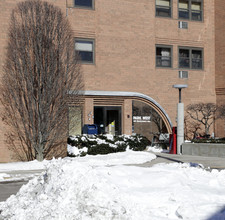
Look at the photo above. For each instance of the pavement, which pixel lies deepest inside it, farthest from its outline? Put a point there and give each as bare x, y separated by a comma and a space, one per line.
206, 162
10, 188
14, 181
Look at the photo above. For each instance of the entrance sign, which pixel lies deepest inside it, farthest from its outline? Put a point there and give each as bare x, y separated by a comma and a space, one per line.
141, 118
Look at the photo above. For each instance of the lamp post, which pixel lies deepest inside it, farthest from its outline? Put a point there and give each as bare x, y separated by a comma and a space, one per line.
180, 118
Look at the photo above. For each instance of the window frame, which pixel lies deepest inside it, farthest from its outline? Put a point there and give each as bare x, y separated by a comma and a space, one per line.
190, 10
171, 55
190, 49
85, 7
170, 1
93, 49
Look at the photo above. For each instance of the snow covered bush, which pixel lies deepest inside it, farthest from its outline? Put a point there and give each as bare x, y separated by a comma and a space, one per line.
209, 140
82, 145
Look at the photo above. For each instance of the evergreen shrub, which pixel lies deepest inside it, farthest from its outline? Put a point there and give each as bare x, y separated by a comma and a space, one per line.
211, 140
82, 145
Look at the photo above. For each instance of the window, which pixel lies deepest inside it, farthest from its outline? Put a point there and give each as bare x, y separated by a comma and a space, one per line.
163, 8
190, 9
146, 121
190, 58
163, 56
75, 120
84, 3
85, 49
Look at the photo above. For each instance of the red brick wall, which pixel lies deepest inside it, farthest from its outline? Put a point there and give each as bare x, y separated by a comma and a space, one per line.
220, 60
125, 34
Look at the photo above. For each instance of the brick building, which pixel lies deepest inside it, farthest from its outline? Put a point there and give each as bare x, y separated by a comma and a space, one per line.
132, 53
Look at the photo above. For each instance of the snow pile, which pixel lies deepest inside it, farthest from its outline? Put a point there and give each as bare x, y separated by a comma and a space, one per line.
32, 165
128, 157
155, 149
75, 150
69, 190
21, 170
88, 188
4, 176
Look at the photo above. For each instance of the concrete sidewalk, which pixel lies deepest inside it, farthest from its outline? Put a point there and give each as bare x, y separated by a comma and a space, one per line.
207, 162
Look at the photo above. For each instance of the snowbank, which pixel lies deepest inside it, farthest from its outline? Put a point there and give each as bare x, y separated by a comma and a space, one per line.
4, 176
88, 188
31, 165
128, 157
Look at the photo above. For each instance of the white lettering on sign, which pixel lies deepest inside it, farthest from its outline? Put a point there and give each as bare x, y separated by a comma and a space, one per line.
141, 118
137, 117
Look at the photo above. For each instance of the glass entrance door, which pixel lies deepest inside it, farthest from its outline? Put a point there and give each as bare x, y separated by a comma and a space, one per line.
108, 119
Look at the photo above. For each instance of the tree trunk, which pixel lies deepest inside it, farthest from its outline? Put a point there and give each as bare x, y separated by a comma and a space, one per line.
39, 154
206, 130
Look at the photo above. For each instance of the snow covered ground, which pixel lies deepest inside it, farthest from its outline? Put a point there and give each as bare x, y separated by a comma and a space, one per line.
21, 170
103, 188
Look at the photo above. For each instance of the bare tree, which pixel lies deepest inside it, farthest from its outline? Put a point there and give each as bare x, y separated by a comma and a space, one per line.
40, 68
203, 113
192, 128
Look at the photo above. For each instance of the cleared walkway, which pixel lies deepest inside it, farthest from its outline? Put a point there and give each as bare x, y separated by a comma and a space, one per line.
207, 162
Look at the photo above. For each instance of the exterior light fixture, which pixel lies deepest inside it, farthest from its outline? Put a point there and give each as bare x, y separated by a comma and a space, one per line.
180, 118
180, 87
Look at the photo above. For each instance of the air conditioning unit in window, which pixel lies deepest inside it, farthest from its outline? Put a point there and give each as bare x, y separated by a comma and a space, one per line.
183, 74
182, 24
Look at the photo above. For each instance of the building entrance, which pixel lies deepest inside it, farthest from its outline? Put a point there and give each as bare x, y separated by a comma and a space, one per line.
108, 119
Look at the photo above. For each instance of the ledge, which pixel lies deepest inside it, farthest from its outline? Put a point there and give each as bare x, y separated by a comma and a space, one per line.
203, 149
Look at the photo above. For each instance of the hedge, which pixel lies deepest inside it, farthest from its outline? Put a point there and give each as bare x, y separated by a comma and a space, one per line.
211, 140
82, 145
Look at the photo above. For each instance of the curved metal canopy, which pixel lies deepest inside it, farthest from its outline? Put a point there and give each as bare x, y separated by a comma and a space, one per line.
125, 94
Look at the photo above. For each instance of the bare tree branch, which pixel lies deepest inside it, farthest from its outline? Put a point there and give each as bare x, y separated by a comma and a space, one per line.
203, 114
